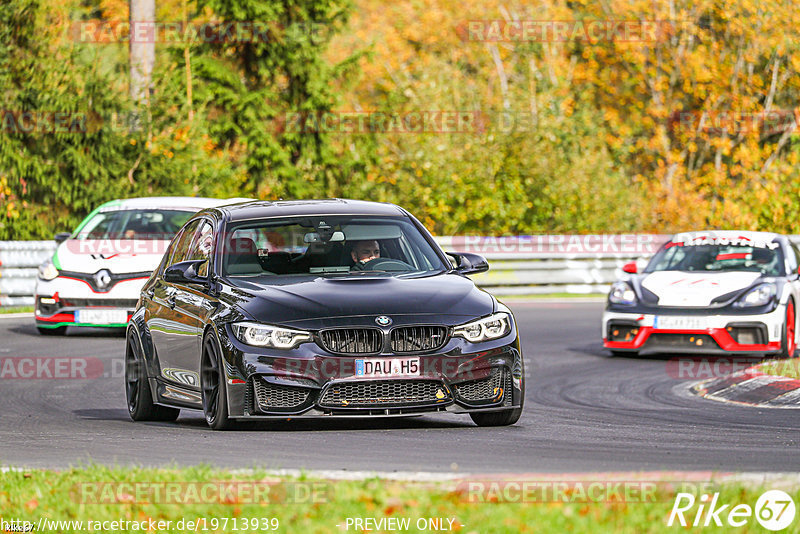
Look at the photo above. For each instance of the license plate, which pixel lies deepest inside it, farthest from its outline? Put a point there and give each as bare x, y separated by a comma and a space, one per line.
382, 367
101, 316
668, 322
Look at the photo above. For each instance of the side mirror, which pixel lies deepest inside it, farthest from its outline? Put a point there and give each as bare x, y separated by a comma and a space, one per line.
61, 237
630, 268
185, 272
468, 263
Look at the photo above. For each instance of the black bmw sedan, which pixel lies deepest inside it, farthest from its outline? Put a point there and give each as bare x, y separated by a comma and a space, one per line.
328, 308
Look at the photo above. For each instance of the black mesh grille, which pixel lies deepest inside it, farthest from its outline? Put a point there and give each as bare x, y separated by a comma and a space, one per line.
418, 338
278, 396
352, 340
700, 341
483, 389
507, 399
384, 393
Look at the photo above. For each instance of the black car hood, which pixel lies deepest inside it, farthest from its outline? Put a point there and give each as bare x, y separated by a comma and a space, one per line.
312, 298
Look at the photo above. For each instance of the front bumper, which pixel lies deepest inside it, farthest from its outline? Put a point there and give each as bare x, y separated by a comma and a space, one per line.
641, 333
308, 382
58, 300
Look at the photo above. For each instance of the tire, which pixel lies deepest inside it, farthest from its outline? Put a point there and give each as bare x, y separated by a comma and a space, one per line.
137, 387
57, 331
503, 418
788, 343
212, 386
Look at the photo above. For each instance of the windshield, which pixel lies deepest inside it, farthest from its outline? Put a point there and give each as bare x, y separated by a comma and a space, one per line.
135, 224
714, 258
337, 245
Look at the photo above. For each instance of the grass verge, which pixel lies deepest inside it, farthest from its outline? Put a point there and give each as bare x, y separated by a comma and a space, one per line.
790, 368
302, 504
16, 309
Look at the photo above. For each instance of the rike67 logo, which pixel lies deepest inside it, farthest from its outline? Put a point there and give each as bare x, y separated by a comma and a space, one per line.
774, 510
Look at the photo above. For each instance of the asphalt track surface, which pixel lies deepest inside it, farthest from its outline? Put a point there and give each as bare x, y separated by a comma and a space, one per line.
585, 411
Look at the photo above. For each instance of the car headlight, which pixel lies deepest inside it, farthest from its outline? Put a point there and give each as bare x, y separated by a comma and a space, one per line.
495, 326
48, 271
621, 293
265, 335
758, 296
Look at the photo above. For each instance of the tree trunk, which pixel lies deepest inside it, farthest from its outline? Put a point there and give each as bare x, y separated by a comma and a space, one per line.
142, 48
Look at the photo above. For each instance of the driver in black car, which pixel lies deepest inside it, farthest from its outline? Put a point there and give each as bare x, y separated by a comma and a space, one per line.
364, 251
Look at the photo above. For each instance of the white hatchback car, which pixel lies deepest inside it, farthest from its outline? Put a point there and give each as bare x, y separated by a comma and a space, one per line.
96, 273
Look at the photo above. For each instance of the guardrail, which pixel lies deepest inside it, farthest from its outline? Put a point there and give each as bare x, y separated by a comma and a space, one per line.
520, 265
19, 261
544, 264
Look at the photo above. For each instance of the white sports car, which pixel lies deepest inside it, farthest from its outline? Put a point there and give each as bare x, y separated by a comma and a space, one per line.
96, 273
708, 292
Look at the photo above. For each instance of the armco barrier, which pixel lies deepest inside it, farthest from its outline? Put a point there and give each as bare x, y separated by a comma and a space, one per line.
19, 261
541, 264
520, 265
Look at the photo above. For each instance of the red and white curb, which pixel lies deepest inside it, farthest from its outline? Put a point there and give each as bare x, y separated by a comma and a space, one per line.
751, 387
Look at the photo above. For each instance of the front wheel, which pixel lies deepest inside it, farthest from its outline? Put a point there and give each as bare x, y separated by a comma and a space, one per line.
502, 418
788, 342
212, 385
137, 387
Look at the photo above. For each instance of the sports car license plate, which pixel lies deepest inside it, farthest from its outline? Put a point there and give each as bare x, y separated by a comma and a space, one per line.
668, 322
101, 316
387, 367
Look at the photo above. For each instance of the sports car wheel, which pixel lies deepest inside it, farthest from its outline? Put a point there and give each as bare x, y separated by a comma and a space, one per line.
57, 331
137, 388
788, 343
212, 385
504, 418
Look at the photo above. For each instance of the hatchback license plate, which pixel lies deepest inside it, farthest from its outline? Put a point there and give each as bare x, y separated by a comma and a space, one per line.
101, 316
387, 367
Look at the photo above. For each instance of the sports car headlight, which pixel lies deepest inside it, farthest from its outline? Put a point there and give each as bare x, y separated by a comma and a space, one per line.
495, 326
265, 335
48, 271
758, 296
621, 293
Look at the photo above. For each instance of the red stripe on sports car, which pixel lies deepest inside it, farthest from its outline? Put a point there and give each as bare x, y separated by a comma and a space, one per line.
733, 256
